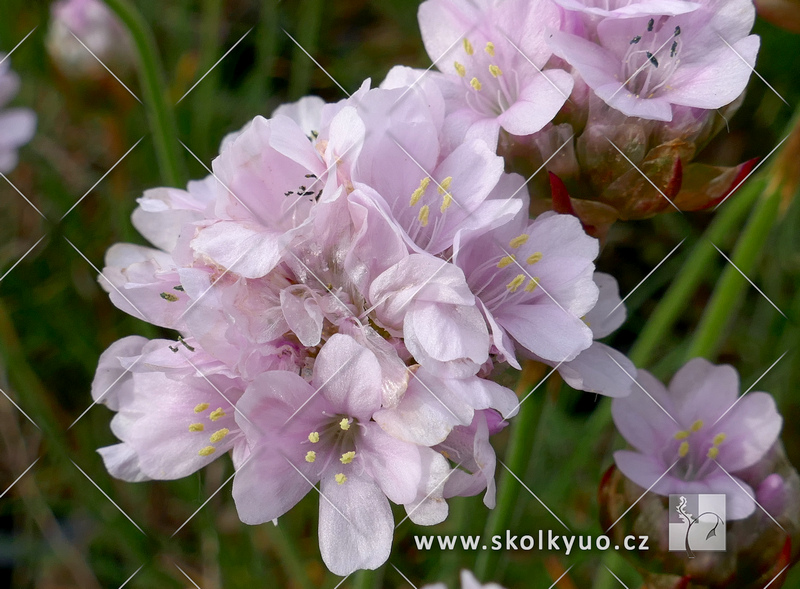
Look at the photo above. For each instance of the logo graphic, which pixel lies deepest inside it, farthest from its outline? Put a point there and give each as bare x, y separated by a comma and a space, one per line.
696, 523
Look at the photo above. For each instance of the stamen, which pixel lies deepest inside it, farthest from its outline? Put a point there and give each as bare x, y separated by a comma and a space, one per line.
201, 407
652, 58
713, 452
534, 257
168, 296
677, 31
697, 425
424, 212
207, 451
347, 457
519, 241
719, 438
311, 456
516, 283
490, 48
196, 427
650, 25
507, 261
313, 437
417, 194
219, 434
344, 424
218, 413
447, 200
475, 83
684, 449
445, 185
534, 282
682, 435
460, 69
468, 47
674, 49
636, 39
340, 478
495, 71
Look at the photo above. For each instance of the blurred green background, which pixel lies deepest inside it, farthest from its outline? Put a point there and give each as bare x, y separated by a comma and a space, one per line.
58, 530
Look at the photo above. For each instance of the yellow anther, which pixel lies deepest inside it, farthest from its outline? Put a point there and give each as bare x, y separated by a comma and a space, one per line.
347, 457
490, 48
445, 185
313, 437
475, 83
344, 424
460, 69
196, 427
684, 449
201, 407
507, 261
534, 282
219, 434
719, 438
534, 257
311, 456
468, 47
697, 425
447, 200
218, 413
340, 478
713, 452
682, 435
417, 194
424, 212
495, 71
516, 283
519, 241
207, 451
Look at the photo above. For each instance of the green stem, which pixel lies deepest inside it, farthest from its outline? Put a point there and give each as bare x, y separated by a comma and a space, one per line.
696, 268
307, 37
159, 111
267, 48
718, 314
523, 432
289, 555
203, 105
367, 579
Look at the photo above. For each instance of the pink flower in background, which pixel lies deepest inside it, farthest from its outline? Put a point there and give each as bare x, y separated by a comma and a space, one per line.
492, 54
644, 65
628, 8
468, 581
17, 125
700, 424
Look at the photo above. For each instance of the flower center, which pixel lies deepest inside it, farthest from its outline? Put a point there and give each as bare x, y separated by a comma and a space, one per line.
217, 435
427, 223
511, 275
490, 90
651, 59
335, 439
696, 452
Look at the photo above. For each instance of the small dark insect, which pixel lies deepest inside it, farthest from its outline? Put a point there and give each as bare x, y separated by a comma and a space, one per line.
167, 296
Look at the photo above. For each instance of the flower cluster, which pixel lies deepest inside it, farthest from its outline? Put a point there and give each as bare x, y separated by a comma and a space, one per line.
17, 125
344, 284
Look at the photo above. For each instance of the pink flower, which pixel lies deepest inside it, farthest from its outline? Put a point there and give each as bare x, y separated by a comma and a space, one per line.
492, 54
17, 125
700, 425
628, 8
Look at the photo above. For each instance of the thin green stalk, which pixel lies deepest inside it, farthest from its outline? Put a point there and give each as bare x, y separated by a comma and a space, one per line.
307, 36
267, 49
204, 103
368, 579
289, 555
159, 111
718, 314
523, 432
697, 266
